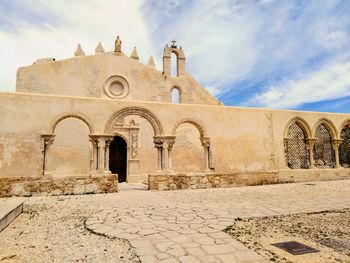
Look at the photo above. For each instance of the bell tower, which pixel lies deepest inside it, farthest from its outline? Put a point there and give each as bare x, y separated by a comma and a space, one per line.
180, 59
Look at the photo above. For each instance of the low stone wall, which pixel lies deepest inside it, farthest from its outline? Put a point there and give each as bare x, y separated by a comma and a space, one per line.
202, 181
58, 185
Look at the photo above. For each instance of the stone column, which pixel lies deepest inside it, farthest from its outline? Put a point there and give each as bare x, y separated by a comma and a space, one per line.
285, 145
170, 142
101, 154
335, 144
311, 143
106, 153
48, 140
165, 157
93, 162
206, 146
158, 143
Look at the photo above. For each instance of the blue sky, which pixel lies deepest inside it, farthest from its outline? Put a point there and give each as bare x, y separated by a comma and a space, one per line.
256, 53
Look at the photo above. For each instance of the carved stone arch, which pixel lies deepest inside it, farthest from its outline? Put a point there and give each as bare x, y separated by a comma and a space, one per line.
119, 115
329, 125
302, 124
75, 115
195, 123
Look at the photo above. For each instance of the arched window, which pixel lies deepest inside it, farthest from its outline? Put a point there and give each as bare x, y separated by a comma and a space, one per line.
175, 95
174, 65
344, 147
324, 154
297, 153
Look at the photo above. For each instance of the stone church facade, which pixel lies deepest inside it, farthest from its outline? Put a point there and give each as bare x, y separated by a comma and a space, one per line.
82, 124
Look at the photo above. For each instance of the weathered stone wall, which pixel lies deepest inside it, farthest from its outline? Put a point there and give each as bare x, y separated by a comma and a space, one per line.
86, 76
57, 185
187, 152
203, 181
70, 152
242, 140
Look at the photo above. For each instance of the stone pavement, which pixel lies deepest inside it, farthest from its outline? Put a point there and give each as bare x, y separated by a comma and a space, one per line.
163, 229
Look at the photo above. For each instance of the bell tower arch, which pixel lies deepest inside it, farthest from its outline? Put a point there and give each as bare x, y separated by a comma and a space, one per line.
180, 59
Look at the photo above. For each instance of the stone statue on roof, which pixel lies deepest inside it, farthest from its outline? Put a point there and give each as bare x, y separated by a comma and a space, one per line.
118, 45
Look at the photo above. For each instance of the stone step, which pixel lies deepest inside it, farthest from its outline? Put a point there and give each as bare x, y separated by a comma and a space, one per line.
9, 210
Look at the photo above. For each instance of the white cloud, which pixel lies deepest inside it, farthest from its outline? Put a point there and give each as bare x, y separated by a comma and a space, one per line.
217, 37
84, 22
227, 41
330, 82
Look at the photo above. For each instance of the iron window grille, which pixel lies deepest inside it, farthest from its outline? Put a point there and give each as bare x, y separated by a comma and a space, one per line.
297, 148
344, 147
324, 155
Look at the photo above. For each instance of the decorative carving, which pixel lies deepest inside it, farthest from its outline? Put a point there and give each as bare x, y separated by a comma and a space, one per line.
48, 139
133, 123
336, 143
205, 141
116, 87
118, 45
158, 142
170, 142
133, 143
93, 140
157, 127
311, 142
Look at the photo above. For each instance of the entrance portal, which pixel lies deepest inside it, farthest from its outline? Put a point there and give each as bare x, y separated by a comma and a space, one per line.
118, 158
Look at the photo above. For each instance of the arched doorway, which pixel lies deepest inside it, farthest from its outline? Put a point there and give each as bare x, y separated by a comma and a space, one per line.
118, 158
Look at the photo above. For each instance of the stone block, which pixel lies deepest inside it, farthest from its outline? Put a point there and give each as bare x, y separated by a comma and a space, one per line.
9, 210
57, 185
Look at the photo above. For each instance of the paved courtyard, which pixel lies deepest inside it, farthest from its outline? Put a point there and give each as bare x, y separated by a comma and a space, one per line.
176, 226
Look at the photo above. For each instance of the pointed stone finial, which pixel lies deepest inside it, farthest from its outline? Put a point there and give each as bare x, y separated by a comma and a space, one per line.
79, 51
134, 54
99, 48
151, 62
118, 46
